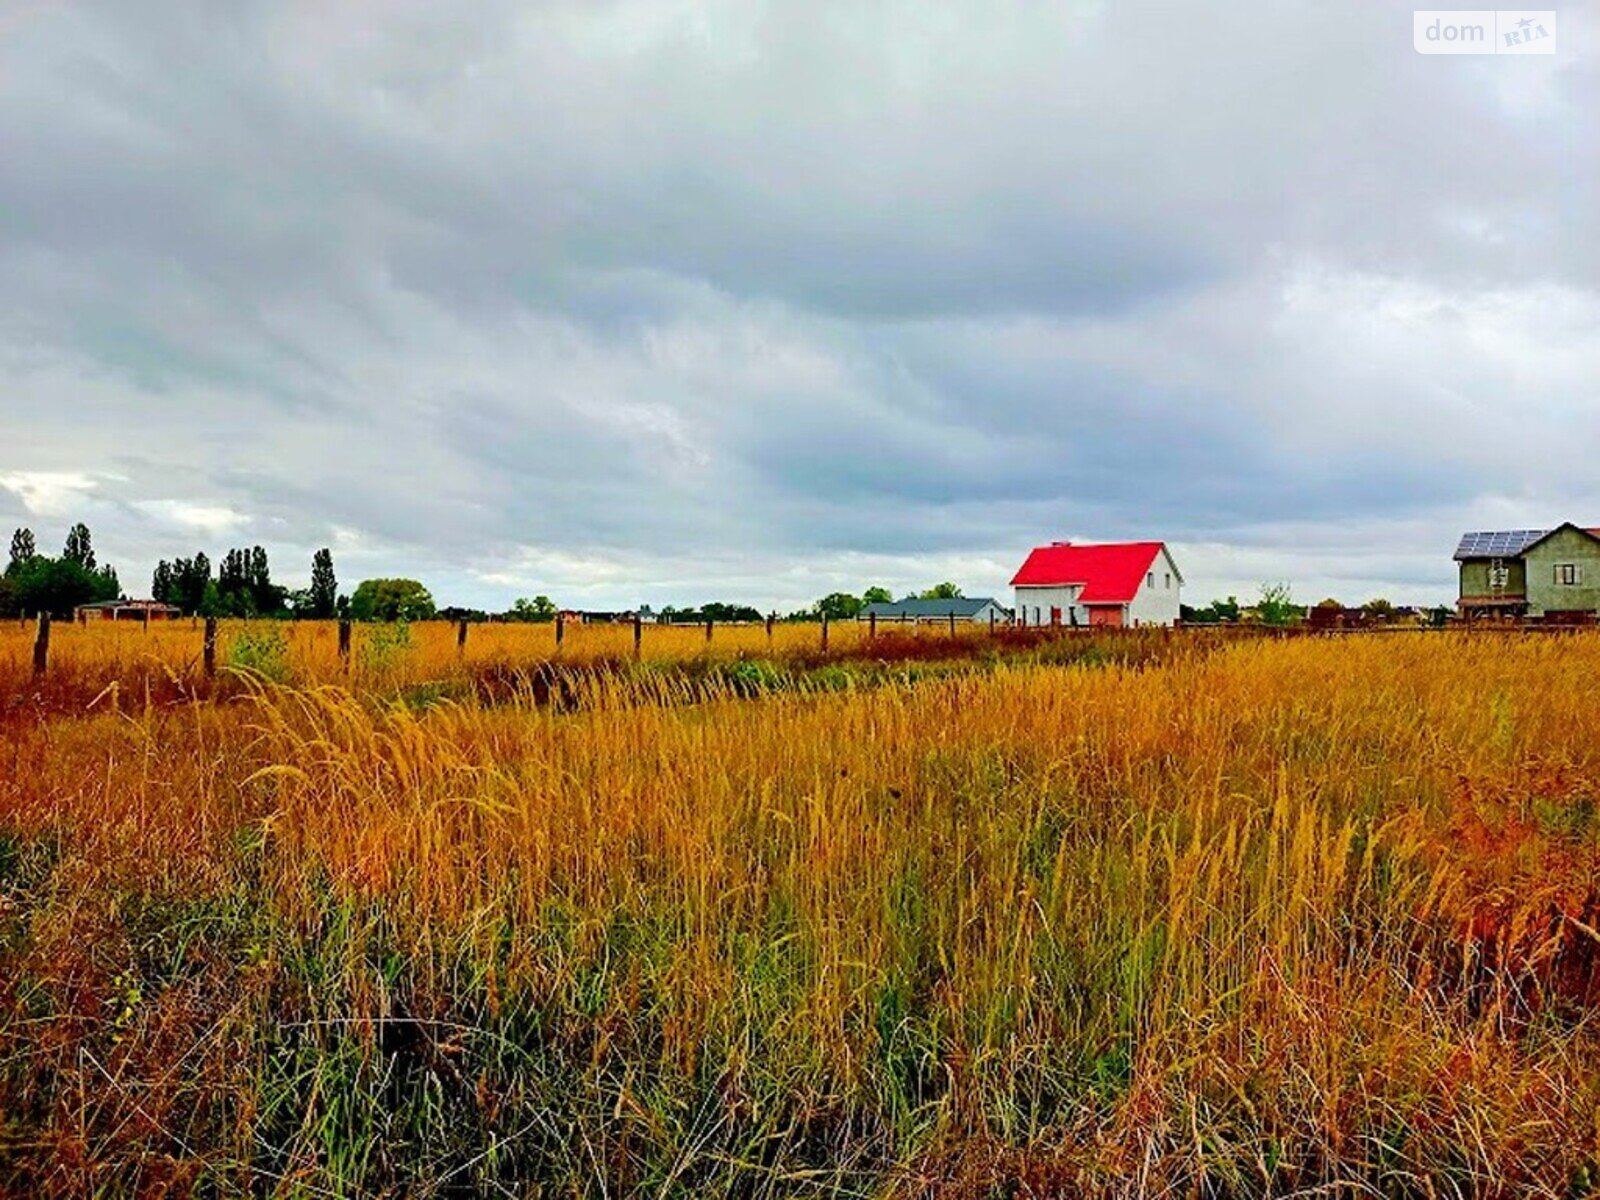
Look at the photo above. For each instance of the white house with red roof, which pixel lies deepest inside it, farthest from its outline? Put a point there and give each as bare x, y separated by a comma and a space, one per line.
1099, 583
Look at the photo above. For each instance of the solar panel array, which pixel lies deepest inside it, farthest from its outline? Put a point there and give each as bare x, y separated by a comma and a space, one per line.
1504, 543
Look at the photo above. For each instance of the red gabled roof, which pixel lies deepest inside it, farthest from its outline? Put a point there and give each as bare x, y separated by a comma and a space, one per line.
1110, 573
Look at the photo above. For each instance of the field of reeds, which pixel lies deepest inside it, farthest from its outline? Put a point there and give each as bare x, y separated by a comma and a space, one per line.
108, 664
392, 656
1144, 915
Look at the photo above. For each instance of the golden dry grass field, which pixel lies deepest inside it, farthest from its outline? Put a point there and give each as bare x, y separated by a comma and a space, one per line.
1150, 916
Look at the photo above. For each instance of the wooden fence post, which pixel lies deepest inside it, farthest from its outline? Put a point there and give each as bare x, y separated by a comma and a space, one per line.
824, 633
344, 642
991, 622
638, 634
952, 622
872, 625
461, 636
561, 629
41, 646
144, 619
209, 652
771, 617
708, 629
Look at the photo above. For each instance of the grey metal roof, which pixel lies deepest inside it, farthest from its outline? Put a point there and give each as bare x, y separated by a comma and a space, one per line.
1505, 543
965, 607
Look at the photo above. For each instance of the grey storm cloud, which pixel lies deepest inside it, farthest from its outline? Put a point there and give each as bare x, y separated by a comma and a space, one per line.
601, 297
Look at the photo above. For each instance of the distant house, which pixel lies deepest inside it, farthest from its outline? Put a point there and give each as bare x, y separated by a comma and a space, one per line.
1104, 584
976, 608
1530, 572
127, 610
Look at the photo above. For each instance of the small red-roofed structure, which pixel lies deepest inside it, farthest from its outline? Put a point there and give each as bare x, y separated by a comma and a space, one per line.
1098, 583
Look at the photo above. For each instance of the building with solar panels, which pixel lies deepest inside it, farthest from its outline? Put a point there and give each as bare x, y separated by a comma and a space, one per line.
1552, 574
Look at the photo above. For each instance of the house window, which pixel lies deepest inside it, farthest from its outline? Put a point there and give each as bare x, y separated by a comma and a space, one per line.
1150, 579
1568, 575
1168, 578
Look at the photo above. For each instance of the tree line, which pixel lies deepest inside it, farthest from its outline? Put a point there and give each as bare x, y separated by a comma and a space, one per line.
241, 585
843, 606
35, 582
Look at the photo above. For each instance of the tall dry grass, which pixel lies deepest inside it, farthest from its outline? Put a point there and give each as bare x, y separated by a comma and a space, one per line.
1304, 915
165, 659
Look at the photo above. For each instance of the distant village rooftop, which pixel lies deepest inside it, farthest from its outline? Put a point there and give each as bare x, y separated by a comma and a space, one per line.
962, 608
133, 610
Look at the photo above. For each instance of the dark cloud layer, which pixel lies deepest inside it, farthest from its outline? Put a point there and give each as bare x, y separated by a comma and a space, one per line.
628, 299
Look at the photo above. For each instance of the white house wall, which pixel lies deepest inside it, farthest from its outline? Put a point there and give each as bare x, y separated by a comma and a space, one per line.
1157, 603
1034, 605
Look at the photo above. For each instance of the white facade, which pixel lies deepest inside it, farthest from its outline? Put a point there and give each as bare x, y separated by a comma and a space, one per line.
1157, 600
1034, 605
1155, 603
989, 612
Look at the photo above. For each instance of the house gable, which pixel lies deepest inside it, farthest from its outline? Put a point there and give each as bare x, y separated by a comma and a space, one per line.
1563, 571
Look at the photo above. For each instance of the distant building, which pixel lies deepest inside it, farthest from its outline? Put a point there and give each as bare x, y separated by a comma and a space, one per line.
127, 610
975, 608
1530, 572
1103, 584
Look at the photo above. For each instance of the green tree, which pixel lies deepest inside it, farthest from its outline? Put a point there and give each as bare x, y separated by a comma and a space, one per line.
391, 600
323, 597
942, 591
22, 549
233, 592
189, 577
79, 548
1275, 606
718, 610
245, 587
839, 606
877, 595
58, 585
1379, 609
540, 608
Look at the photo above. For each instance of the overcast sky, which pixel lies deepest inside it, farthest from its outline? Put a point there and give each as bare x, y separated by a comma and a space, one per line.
664, 302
